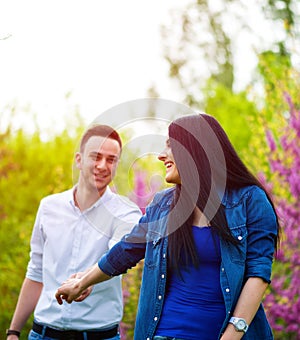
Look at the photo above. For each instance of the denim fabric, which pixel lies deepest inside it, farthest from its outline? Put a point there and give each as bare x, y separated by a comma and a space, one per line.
252, 222
165, 338
35, 336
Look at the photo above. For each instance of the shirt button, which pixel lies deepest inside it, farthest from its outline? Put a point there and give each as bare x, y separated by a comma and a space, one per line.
163, 276
159, 297
148, 339
240, 238
164, 256
227, 290
223, 269
155, 319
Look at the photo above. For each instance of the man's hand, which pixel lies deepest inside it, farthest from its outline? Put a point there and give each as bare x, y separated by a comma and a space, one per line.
79, 285
69, 291
86, 292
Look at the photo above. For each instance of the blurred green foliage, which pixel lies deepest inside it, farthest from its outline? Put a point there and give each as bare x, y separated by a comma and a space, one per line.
30, 168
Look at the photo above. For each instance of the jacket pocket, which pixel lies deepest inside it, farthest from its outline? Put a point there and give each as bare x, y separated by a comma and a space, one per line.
238, 252
153, 249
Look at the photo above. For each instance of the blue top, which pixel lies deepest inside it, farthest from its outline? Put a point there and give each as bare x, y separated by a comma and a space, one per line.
252, 222
194, 302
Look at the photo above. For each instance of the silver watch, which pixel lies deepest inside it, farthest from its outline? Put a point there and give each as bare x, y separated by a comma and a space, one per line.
239, 324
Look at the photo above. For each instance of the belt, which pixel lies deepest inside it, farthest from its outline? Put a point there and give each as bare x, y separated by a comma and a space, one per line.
73, 334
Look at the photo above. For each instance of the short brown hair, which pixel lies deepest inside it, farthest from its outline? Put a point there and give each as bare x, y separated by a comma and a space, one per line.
101, 131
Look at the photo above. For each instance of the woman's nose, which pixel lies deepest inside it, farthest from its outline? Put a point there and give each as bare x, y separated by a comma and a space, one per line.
162, 156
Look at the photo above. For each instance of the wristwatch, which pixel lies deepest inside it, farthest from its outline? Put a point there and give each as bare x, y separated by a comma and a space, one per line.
239, 324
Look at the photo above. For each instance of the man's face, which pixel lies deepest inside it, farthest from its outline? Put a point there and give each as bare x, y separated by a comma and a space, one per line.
98, 162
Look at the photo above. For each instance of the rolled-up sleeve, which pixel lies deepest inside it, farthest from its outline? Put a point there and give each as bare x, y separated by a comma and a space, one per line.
262, 231
128, 252
121, 257
35, 265
131, 249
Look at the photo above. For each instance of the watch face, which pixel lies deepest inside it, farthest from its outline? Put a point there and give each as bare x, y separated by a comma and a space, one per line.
241, 324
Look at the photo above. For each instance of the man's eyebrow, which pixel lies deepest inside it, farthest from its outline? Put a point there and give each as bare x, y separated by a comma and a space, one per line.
97, 153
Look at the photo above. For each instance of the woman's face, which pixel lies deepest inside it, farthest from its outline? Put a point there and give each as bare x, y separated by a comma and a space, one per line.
166, 156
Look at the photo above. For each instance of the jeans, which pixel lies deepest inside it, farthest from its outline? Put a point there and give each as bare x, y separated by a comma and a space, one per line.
35, 336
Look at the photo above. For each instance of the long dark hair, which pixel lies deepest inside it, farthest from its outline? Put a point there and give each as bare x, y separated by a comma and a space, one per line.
208, 166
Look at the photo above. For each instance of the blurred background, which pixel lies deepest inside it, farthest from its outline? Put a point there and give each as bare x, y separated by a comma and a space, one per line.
64, 63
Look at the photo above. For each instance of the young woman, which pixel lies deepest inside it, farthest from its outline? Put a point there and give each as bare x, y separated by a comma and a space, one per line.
208, 244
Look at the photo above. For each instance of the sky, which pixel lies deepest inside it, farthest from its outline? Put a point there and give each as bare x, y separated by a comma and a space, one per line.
60, 56
92, 55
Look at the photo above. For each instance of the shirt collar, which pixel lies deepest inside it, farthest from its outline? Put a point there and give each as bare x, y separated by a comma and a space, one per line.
107, 195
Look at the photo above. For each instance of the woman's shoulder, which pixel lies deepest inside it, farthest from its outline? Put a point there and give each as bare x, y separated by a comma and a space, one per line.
236, 195
164, 196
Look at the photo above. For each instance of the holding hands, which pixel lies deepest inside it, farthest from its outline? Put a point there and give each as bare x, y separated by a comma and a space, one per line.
71, 290
80, 285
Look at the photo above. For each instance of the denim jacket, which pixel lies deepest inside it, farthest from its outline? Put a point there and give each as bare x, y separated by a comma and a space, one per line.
252, 222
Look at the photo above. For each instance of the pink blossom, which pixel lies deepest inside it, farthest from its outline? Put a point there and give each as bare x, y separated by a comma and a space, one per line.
283, 303
270, 140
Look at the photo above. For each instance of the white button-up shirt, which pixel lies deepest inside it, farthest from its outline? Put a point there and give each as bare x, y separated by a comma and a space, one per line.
66, 241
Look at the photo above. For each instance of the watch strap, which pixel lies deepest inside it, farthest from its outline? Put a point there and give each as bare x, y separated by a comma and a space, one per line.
13, 332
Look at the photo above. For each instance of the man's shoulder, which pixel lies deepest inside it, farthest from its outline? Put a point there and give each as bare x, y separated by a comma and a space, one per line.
121, 201
62, 196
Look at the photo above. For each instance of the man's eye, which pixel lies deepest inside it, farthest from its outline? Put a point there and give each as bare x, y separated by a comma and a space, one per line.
95, 158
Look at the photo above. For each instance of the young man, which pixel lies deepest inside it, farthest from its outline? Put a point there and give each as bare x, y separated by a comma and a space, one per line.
72, 230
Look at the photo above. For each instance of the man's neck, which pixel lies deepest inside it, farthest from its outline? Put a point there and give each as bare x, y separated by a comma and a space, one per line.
84, 198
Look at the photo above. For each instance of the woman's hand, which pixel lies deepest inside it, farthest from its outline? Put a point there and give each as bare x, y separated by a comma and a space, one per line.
71, 290
84, 294
80, 285
87, 291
